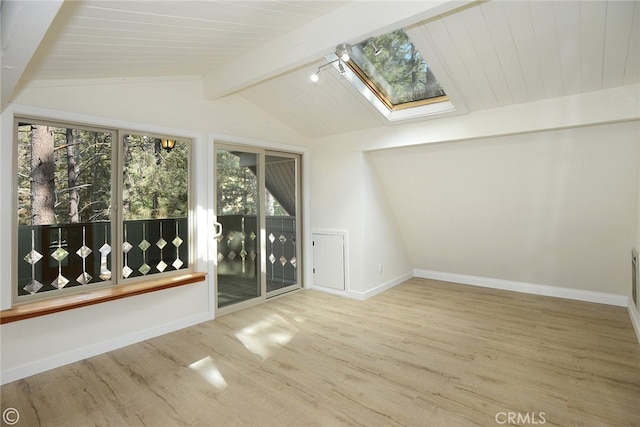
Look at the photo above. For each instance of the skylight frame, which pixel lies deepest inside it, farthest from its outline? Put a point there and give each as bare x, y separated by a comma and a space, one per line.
372, 86
392, 112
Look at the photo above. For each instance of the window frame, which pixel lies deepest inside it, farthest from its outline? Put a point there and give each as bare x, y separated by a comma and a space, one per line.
409, 110
118, 284
378, 93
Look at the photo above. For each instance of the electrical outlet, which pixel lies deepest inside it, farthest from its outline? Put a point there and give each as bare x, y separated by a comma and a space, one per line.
380, 268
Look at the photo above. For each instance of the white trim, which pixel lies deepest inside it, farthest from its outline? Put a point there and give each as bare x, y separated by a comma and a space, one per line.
389, 114
241, 141
367, 294
98, 121
77, 354
634, 314
527, 288
381, 288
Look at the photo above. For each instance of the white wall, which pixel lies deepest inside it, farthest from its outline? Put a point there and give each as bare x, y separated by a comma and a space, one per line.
169, 106
383, 247
557, 208
169, 102
346, 195
550, 164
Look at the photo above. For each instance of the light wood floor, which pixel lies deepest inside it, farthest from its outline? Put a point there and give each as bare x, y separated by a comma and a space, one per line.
424, 353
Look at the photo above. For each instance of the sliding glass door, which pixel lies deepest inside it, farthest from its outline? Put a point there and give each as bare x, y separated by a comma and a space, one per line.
237, 206
281, 222
258, 252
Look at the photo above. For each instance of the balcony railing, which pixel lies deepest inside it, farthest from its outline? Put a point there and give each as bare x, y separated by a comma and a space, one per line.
52, 257
238, 248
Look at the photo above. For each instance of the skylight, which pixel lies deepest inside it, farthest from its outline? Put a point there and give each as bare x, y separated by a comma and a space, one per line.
390, 72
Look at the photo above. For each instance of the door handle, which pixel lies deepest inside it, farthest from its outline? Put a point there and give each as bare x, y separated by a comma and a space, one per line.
218, 229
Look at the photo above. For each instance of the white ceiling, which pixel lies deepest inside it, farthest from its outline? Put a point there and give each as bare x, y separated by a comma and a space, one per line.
98, 38
486, 54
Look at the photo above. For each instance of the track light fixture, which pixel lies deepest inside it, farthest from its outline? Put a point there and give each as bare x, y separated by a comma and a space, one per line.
343, 52
376, 50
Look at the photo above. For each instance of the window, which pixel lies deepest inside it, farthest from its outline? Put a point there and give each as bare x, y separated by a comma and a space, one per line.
79, 192
154, 206
396, 71
390, 72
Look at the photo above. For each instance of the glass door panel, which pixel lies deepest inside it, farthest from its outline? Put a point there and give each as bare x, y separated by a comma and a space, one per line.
237, 209
281, 174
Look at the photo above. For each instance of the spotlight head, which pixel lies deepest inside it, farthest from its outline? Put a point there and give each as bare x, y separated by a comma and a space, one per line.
344, 51
315, 77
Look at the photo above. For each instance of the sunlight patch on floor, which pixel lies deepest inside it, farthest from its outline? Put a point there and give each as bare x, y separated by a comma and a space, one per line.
208, 370
266, 336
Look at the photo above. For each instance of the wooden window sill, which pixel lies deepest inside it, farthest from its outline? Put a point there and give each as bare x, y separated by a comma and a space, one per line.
69, 302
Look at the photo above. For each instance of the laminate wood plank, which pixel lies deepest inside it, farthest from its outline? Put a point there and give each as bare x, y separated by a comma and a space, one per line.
425, 353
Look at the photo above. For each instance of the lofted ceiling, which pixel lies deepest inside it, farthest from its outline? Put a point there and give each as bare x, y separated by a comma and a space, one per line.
486, 54
98, 38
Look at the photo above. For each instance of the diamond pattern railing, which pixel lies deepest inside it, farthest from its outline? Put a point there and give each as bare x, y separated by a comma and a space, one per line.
238, 246
282, 263
52, 257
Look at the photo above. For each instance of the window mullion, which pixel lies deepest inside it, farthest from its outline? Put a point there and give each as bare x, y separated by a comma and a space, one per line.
116, 219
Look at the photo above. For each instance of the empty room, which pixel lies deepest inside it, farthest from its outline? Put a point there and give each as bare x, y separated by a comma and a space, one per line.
320, 213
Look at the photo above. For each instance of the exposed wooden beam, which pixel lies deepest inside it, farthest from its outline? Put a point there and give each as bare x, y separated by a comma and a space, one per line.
24, 25
349, 24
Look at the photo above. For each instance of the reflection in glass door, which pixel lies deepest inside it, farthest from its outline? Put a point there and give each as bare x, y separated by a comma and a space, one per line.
281, 200
257, 197
237, 198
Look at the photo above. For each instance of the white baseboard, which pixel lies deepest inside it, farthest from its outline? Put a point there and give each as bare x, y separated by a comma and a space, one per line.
381, 288
528, 288
367, 294
635, 317
32, 368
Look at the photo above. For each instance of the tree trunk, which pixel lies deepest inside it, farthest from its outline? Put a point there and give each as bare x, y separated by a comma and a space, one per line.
155, 204
72, 179
42, 176
126, 194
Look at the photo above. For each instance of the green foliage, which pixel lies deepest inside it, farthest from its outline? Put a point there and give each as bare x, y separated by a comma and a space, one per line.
92, 152
237, 186
398, 70
237, 191
155, 180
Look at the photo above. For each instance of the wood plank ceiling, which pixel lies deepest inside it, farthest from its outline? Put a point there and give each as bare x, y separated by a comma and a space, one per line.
503, 53
98, 38
491, 54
